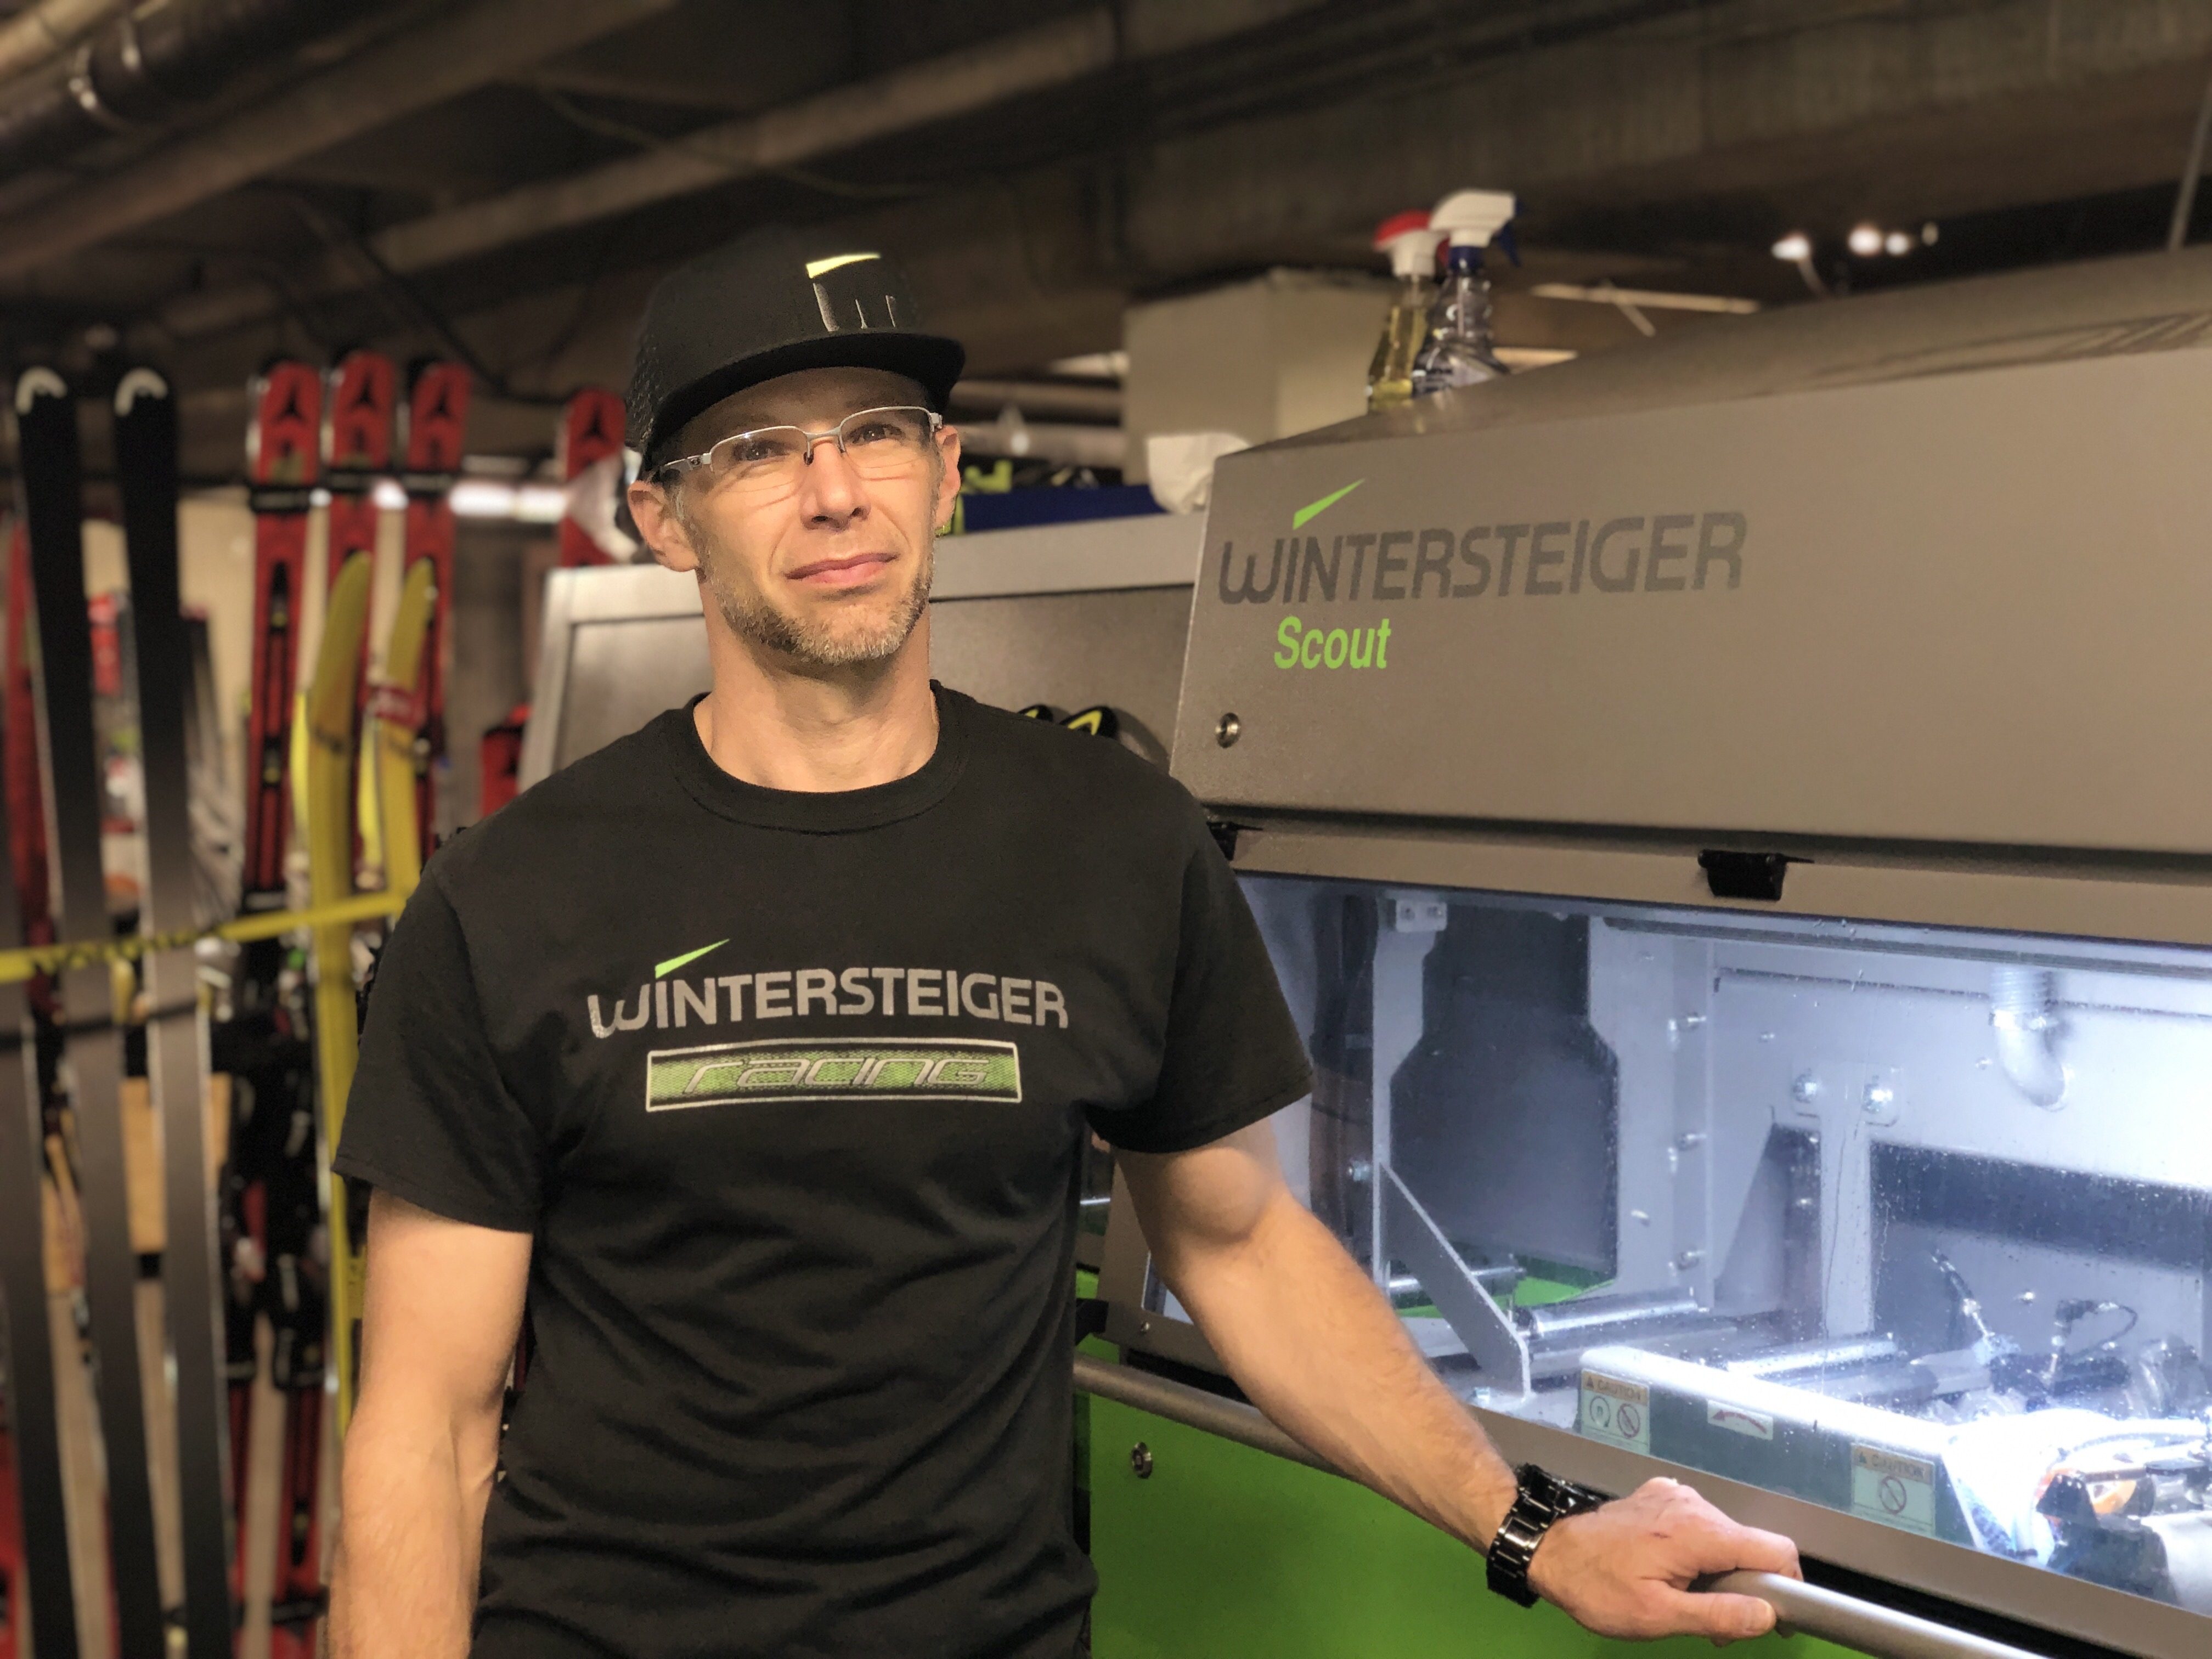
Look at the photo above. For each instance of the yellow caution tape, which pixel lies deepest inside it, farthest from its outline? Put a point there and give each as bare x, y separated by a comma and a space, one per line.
29, 961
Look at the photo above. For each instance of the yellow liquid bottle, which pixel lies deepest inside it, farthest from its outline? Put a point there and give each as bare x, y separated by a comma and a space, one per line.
1410, 246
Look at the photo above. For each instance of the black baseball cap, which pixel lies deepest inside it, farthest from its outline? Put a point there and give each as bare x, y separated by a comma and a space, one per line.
773, 302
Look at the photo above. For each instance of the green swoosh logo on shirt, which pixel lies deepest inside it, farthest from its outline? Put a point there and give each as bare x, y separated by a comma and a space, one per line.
662, 971
1315, 509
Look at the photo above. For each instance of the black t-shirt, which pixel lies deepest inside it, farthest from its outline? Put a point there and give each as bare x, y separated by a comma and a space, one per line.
791, 1090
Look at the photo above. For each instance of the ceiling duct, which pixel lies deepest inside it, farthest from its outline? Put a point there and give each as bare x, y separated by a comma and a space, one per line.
146, 66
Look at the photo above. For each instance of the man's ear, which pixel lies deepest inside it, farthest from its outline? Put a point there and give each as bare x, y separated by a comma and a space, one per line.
948, 481
663, 533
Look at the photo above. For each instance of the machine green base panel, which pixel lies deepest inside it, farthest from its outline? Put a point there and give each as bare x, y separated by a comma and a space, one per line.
1225, 1553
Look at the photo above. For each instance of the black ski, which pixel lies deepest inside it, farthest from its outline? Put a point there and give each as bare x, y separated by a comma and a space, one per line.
47, 459
176, 1047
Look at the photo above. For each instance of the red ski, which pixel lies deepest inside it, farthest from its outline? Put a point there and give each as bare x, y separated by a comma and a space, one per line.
280, 476
591, 430
356, 452
269, 1237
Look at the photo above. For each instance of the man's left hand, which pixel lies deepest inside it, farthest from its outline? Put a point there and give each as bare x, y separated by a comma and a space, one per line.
1625, 1570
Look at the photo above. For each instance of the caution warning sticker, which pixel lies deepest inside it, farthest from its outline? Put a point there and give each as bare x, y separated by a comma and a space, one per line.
1617, 1411
1899, 1492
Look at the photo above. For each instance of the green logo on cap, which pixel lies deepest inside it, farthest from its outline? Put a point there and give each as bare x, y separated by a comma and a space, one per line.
824, 267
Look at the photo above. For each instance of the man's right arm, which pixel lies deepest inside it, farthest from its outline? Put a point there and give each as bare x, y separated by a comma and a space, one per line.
441, 1309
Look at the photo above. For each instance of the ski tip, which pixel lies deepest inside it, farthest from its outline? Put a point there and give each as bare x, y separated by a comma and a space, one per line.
136, 384
35, 383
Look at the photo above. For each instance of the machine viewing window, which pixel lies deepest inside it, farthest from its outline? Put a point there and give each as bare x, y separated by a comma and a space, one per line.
1910, 1222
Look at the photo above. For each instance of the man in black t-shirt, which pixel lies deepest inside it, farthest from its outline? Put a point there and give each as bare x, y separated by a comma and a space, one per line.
756, 1053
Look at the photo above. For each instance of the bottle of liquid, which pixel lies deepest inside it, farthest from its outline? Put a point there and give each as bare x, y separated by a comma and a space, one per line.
1411, 248
1459, 350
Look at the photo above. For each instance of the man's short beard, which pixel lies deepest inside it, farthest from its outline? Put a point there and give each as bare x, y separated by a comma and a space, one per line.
810, 641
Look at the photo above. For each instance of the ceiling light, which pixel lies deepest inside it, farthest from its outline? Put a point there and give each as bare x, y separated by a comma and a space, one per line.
1796, 247
1865, 241
1896, 242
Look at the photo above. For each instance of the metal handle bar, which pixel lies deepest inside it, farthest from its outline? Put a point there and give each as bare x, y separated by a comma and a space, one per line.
1870, 1628
1866, 1626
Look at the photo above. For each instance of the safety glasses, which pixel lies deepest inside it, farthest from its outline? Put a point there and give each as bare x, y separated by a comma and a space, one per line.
877, 443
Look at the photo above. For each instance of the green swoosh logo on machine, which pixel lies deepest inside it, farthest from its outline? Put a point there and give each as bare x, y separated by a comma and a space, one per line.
1314, 510
662, 971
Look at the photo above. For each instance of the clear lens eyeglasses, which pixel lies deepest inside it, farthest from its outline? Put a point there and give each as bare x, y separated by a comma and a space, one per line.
877, 443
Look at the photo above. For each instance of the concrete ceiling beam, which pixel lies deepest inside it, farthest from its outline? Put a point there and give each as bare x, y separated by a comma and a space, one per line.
1741, 119
1056, 54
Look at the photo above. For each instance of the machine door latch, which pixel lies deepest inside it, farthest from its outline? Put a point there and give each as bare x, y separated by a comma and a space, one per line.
1745, 875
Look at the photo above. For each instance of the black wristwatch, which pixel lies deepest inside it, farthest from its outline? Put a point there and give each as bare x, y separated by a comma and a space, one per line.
1544, 1498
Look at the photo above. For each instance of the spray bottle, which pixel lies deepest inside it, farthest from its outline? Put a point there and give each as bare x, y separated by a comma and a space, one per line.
1459, 351
1410, 246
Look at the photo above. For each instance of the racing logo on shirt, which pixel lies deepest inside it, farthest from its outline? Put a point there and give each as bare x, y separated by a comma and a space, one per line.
780, 1070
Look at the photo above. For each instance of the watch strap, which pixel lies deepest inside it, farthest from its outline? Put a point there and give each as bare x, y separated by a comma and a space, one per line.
1543, 1500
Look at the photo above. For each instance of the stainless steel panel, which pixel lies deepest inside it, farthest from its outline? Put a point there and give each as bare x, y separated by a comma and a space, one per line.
1957, 609
1149, 550
622, 673
1070, 615
1070, 651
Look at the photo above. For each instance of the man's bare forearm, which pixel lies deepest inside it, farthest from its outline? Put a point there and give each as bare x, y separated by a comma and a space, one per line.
403, 1584
1319, 1349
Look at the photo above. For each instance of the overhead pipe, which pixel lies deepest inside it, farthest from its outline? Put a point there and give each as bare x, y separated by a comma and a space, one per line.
958, 84
454, 53
145, 66
1060, 442
1056, 400
44, 30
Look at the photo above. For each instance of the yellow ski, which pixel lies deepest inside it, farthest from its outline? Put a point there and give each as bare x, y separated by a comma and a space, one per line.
328, 780
395, 711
